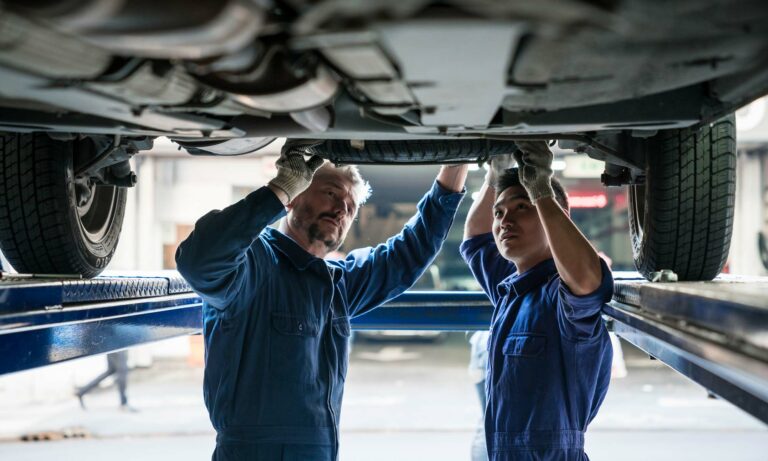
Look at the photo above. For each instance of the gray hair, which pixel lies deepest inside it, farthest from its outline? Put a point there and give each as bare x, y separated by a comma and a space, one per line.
360, 187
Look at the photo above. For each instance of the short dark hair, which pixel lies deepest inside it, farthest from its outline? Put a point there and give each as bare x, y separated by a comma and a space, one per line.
511, 177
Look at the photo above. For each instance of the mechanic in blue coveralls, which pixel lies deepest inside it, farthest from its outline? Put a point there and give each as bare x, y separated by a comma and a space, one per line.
549, 355
276, 315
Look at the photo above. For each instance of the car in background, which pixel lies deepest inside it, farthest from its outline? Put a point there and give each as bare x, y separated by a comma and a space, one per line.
647, 87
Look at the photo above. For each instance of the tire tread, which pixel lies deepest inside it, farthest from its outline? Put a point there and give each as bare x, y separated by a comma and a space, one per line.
690, 202
36, 235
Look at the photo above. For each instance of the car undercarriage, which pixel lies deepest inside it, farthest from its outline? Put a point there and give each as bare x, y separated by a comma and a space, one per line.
648, 87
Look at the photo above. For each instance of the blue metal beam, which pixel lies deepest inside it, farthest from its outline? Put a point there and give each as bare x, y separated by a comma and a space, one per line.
44, 337
430, 310
727, 372
43, 322
733, 308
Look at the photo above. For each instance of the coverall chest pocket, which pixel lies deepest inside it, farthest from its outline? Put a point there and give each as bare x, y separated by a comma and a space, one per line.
524, 361
341, 334
293, 348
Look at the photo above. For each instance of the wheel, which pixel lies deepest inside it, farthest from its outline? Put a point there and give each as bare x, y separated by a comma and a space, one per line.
682, 217
42, 227
413, 151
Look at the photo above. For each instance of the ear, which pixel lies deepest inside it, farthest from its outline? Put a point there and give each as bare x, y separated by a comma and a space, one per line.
290, 206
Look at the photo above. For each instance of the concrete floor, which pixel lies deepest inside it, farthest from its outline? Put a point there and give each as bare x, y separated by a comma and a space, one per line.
402, 401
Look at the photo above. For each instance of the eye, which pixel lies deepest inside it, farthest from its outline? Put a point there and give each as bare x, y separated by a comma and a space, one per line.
522, 206
497, 213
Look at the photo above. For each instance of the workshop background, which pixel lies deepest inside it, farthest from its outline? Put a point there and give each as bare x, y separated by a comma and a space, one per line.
408, 396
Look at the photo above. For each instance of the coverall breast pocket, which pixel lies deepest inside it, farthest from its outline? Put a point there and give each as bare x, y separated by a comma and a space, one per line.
525, 345
524, 362
293, 348
341, 334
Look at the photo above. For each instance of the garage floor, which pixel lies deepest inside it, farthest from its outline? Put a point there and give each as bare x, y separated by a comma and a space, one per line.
404, 401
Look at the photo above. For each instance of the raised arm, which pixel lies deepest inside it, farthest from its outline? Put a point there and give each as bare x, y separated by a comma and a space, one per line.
480, 217
481, 254
453, 177
375, 275
213, 258
576, 259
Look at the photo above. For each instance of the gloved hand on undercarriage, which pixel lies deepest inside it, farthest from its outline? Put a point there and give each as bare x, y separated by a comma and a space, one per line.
496, 167
294, 174
534, 160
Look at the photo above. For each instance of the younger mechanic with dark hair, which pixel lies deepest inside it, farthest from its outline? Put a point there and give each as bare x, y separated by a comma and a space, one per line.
549, 353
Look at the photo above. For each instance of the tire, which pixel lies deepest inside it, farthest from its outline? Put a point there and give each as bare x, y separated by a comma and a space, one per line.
413, 151
42, 229
682, 218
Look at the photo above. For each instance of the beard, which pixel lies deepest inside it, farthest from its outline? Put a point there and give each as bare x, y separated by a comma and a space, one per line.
332, 240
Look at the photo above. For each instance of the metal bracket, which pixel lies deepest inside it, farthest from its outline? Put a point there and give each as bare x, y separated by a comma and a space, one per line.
110, 166
664, 276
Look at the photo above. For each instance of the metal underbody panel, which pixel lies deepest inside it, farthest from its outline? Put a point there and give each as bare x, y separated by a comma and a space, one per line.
714, 333
462, 82
416, 69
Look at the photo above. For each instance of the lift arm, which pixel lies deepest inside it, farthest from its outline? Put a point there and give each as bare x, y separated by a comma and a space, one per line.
714, 333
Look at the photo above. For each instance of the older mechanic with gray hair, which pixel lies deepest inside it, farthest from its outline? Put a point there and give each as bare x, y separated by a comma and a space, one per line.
277, 316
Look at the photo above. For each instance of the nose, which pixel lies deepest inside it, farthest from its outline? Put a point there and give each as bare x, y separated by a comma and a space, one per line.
340, 207
507, 221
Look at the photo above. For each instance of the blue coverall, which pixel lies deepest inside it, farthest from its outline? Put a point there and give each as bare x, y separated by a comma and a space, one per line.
549, 357
276, 321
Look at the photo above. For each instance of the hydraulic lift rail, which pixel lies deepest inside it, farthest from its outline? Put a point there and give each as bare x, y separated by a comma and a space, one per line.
715, 333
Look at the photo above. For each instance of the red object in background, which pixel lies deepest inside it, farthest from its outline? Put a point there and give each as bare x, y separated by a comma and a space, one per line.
588, 200
620, 201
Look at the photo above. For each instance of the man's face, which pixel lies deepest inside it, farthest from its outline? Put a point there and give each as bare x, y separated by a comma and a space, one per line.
517, 228
324, 212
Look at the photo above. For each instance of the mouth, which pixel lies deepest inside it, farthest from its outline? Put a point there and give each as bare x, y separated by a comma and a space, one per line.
330, 220
508, 236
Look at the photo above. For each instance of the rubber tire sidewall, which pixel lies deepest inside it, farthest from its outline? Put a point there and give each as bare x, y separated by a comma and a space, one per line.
95, 255
661, 244
42, 232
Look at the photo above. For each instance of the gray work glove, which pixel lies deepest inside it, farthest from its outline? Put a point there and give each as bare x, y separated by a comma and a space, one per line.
534, 161
294, 174
496, 167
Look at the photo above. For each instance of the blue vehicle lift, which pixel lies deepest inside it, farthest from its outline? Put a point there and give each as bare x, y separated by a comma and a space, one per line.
715, 333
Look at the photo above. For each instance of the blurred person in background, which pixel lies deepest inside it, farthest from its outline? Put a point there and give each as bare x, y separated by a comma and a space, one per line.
117, 364
478, 364
618, 365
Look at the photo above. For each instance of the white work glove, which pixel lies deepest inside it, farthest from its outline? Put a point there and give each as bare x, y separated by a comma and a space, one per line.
496, 167
534, 162
294, 174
